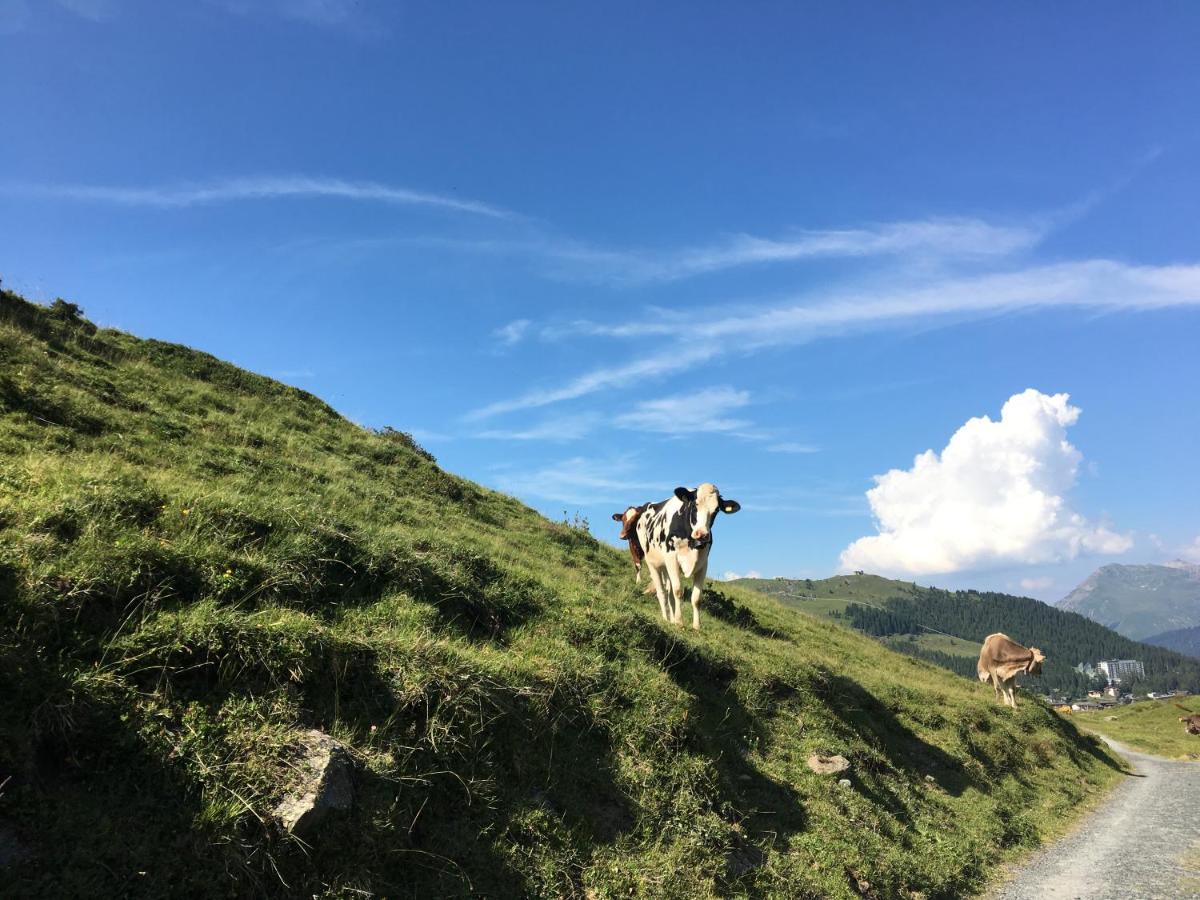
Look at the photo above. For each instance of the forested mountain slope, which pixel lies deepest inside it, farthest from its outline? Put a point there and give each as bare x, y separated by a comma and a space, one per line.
1183, 640
881, 608
197, 564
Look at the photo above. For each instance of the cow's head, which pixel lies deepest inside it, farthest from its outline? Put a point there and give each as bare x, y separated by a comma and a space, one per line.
1035, 664
628, 520
701, 506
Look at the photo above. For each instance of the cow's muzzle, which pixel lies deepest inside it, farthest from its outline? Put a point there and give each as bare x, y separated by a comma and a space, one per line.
697, 543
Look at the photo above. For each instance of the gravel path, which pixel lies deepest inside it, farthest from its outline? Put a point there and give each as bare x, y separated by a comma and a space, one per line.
1143, 842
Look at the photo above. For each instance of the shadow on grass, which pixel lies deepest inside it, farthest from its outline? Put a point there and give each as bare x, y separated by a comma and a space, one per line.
1081, 744
722, 729
863, 715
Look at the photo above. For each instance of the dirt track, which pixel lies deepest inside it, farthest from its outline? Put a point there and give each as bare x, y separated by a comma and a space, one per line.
1142, 842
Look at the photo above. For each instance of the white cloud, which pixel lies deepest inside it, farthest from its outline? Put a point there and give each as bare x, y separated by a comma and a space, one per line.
690, 413
601, 379
928, 239
581, 481
995, 495
732, 576
1036, 584
566, 428
256, 188
512, 333
933, 237
1101, 285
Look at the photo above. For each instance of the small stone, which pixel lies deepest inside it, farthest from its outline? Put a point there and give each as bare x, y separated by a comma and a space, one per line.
844, 782
324, 784
828, 765
929, 778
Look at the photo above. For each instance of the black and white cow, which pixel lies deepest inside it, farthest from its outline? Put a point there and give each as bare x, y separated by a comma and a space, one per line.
676, 536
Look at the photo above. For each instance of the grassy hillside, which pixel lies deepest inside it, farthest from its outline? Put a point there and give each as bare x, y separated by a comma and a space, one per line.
1139, 601
1152, 726
896, 611
197, 564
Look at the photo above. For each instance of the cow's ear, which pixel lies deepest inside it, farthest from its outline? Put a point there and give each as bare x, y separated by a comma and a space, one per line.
685, 495
617, 517
729, 507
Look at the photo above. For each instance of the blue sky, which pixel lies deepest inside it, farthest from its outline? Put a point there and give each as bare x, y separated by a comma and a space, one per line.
589, 252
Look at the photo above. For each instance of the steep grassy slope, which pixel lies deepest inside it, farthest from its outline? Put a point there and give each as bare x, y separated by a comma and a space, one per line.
1152, 726
897, 609
197, 563
1139, 601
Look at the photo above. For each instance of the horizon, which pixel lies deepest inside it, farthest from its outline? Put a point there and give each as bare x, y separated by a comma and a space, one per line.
921, 294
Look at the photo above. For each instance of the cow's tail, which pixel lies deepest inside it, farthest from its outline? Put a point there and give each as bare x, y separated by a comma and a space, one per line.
1185, 709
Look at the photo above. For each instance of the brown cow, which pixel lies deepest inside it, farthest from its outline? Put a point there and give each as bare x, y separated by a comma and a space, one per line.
1001, 659
1191, 722
628, 520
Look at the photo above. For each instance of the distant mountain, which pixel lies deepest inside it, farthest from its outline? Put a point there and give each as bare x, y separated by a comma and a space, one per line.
1139, 601
946, 627
1182, 640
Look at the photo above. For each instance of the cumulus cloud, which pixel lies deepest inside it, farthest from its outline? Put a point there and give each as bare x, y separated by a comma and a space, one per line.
995, 495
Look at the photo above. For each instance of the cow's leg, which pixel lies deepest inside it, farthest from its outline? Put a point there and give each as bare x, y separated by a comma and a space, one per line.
697, 594
676, 585
1009, 700
996, 688
656, 582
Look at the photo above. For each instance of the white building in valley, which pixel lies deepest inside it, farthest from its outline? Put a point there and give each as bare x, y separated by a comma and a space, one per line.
1116, 670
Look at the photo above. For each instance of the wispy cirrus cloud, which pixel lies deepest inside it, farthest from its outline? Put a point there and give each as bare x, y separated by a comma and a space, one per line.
599, 380
705, 410
1096, 285
512, 333
568, 259
253, 188
558, 430
580, 480
951, 237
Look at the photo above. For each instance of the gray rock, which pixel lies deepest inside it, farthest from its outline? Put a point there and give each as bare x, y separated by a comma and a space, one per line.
324, 783
845, 782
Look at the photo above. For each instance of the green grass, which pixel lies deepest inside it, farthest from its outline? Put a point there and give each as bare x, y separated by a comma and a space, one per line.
1152, 726
197, 563
827, 597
